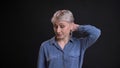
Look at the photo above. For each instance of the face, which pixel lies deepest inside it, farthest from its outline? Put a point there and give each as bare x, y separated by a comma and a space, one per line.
62, 29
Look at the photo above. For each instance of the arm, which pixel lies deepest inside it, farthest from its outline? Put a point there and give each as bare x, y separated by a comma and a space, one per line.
41, 58
92, 32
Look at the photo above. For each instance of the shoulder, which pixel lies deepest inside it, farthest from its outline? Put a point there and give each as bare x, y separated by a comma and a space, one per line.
46, 43
74, 39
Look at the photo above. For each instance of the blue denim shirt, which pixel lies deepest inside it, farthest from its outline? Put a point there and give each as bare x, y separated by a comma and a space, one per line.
52, 56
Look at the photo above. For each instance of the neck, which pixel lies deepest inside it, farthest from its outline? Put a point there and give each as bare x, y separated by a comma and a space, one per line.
63, 41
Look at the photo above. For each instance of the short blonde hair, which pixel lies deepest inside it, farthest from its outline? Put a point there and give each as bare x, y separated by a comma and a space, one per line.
62, 15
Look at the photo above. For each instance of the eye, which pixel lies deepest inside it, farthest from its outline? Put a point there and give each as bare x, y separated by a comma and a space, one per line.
62, 26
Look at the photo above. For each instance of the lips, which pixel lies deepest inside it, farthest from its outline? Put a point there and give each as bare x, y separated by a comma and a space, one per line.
58, 34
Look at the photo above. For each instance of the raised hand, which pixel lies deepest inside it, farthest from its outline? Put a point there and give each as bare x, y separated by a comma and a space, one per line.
74, 27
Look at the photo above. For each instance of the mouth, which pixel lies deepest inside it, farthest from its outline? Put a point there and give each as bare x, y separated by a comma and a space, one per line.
58, 35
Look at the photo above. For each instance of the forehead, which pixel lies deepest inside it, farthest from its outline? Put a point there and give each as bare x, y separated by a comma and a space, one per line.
61, 23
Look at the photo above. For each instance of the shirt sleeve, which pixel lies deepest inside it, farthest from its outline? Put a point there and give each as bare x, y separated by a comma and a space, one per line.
90, 35
41, 58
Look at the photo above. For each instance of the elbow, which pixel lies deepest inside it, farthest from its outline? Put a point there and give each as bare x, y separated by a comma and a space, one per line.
98, 32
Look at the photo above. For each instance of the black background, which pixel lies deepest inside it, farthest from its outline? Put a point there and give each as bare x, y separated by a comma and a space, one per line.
25, 24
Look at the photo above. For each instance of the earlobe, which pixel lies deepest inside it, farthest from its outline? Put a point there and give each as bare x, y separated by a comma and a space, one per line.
71, 27
70, 32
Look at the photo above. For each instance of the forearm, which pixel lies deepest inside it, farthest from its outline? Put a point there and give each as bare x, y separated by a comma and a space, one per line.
93, 33
90, 30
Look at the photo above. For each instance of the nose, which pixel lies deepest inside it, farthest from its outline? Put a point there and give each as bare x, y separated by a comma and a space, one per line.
58, 30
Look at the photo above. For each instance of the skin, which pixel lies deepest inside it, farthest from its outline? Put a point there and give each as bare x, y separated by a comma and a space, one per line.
62, 31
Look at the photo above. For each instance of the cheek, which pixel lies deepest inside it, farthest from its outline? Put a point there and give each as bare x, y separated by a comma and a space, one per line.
54, 30
67, 30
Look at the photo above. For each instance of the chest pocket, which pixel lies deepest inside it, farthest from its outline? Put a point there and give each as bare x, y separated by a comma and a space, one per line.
74, 55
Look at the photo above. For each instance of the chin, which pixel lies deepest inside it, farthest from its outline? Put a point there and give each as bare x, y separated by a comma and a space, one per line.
59, 38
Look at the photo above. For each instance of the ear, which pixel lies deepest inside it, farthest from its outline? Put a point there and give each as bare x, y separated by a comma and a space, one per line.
71, 26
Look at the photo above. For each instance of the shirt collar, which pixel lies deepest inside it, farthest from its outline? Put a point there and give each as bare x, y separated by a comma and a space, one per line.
53, 41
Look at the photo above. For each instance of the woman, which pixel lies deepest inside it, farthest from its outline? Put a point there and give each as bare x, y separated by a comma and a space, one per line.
64, 50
